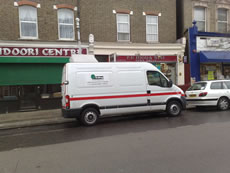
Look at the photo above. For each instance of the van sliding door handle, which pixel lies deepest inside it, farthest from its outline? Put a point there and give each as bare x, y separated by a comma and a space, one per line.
148, 92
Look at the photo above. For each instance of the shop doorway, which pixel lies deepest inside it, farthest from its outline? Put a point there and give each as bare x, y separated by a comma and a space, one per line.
28, 97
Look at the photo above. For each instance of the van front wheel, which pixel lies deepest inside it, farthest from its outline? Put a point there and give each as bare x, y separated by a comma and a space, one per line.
174, 108
89, 116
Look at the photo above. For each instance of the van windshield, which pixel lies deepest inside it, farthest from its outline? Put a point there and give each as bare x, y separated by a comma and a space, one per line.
198, 86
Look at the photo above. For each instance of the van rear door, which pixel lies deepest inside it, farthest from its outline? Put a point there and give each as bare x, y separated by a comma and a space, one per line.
64, 84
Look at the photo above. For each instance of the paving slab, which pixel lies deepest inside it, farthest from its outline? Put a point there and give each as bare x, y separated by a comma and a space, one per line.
32, 118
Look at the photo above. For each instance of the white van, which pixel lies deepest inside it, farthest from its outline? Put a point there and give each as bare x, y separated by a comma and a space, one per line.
94, 90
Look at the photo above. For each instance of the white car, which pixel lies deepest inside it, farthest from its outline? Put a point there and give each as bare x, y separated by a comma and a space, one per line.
209, 93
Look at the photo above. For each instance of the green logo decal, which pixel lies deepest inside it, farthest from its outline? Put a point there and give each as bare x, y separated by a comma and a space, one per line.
94, 77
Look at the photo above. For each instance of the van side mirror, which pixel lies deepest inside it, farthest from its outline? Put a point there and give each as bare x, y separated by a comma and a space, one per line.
170, 83
65, 83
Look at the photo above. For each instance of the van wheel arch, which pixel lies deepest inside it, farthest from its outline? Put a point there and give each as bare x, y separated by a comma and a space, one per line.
90, 106
174, 99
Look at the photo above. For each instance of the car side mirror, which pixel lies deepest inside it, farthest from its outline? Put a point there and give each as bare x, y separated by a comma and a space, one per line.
170, 83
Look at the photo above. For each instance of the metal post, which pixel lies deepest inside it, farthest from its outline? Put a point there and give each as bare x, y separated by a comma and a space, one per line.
78, 34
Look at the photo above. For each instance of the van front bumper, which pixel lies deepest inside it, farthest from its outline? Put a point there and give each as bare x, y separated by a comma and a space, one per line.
71, 113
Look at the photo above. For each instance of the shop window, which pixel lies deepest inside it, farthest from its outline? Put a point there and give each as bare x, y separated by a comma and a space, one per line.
66, 24
28, 22
222, 20
50, 91
226, 71
211, 72
123, 27
169, 70
151, 28
155, 78
8, 93
200, 18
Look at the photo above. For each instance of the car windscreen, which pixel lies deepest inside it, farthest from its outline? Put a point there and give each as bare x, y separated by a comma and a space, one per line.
198, 86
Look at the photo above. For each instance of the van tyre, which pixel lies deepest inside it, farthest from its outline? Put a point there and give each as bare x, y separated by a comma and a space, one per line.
173, 108
223, 104
89, 116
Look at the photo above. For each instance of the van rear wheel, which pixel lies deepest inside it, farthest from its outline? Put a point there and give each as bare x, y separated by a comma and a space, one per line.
89, 116
173, 108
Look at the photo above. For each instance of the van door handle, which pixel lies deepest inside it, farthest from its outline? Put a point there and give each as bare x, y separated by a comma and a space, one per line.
148, 92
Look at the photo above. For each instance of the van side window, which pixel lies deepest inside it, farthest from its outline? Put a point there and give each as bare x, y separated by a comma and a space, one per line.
155, 78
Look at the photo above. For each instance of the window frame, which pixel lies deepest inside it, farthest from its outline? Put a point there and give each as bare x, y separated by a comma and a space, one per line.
59, 32
121, 14
154, 24
218, 21
20, 27
205, 17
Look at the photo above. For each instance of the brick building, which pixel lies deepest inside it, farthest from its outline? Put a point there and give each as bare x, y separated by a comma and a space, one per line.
211, 15
205, 51
133, 30
37, 37
36, 40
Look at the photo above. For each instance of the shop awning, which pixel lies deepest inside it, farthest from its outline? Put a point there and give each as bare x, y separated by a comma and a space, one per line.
215, 56
30, 73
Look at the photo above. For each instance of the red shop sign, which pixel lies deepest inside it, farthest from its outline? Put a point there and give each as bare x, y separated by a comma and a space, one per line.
147, 58
31, 51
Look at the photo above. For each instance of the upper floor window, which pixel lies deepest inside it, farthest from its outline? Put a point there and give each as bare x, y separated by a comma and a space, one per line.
200, 18
28, 22
222, 20
151, 28
123, 27
66, 24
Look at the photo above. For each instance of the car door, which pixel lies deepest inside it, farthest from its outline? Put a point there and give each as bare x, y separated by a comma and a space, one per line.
157, 90
217, 90
227, 88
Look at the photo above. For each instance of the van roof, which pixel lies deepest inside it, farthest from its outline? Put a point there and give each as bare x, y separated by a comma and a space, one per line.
143, 64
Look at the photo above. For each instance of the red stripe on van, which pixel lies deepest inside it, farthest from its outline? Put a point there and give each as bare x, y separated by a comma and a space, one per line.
109, 97
123, 96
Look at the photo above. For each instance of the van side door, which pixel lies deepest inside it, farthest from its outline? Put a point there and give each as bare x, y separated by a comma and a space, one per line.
158, 90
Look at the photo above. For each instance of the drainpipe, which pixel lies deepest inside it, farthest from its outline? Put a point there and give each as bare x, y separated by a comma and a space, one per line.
78, 27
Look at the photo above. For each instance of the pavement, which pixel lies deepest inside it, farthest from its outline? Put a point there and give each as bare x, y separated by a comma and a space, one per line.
32, 118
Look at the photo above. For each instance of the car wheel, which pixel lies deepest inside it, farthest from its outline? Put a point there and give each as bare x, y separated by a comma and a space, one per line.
89, 116
174, 108
223, 104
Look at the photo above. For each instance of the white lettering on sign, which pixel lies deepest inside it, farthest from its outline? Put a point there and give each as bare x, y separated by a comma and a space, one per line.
22, 51
58, 52
15, 52
44, 52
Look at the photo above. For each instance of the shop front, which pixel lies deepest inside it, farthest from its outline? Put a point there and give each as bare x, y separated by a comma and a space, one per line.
167, 64
209, 55
30, 77
169, 58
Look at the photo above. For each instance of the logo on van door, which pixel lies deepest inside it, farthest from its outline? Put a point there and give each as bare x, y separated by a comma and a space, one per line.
94, 77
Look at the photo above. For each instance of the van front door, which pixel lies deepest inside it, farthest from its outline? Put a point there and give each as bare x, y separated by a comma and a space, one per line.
158, 90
